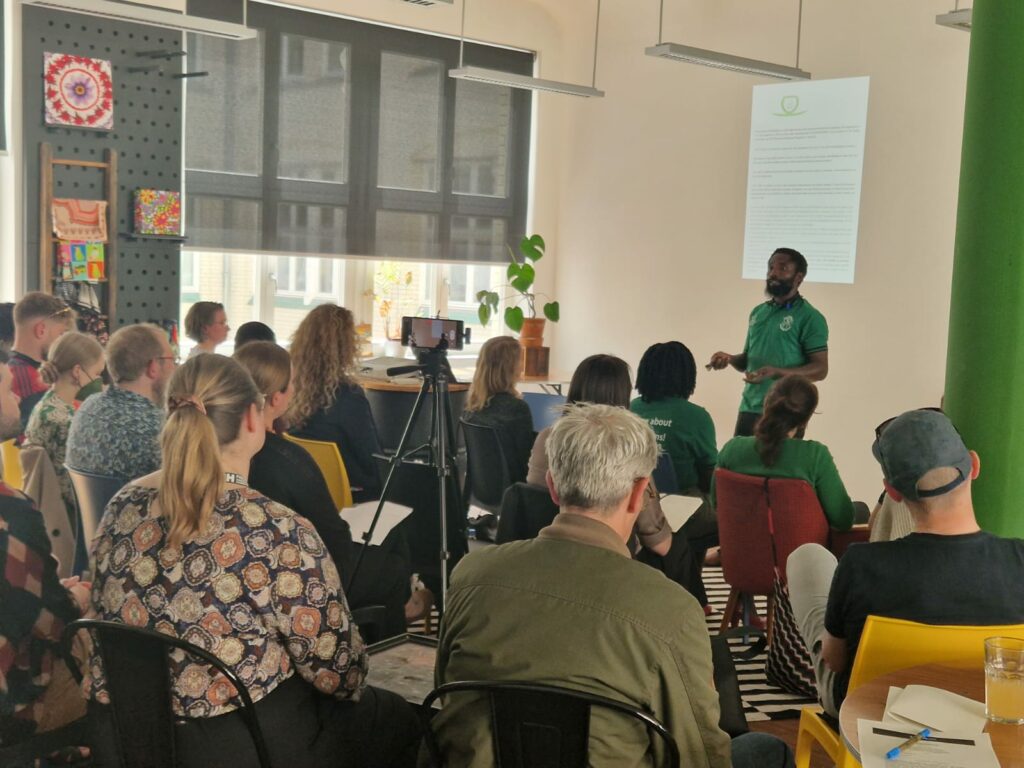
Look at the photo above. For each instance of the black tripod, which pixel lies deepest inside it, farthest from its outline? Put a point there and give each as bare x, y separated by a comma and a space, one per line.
439, 450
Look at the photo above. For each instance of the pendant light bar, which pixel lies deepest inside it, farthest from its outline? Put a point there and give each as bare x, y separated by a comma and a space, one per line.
956, 19
511, 80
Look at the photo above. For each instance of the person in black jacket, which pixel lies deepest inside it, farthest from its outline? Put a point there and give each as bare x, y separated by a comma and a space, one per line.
328, 404
285, 472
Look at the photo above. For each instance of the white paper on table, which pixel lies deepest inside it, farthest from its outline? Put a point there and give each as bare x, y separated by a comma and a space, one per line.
678, 509
940, 710
360, 516
889, 717
954, 749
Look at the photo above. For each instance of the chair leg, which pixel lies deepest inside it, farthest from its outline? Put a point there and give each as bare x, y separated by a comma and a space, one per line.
770, 621
728, 619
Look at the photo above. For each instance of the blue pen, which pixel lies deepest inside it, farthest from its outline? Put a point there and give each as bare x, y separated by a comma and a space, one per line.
893, 753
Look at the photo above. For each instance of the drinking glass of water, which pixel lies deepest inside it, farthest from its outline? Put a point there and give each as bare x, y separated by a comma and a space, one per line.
1004, 680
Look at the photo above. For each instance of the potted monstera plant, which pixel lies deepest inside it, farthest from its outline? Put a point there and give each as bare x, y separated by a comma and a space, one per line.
521, 305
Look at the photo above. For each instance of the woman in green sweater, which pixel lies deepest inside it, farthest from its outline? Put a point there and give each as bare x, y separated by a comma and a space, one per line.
778, 449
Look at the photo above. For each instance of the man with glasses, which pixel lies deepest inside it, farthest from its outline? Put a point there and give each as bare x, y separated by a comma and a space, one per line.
117, 432
948, 571
39, 320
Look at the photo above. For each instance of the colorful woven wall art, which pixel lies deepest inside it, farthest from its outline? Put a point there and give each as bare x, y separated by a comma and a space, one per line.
157, 212
78, 91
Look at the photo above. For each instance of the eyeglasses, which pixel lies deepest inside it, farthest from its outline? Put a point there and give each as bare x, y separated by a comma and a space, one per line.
60, 313
885, 424
175, 358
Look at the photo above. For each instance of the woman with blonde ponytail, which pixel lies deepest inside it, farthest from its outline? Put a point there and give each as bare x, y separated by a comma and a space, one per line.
194, 552
778, 449
73, 369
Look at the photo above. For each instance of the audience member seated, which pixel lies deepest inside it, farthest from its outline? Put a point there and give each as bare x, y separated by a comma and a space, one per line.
948, 571
206, 324
284, 472
328, 404
571, 608
778, 449
605, 380
73, 370
117, 432
37, 692
494, 402
39, 320
254, 331
192, 551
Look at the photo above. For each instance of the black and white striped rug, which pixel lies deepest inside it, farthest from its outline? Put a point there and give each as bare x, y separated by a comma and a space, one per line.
761, 701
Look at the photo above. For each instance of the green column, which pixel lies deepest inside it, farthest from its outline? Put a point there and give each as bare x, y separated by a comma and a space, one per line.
985, 360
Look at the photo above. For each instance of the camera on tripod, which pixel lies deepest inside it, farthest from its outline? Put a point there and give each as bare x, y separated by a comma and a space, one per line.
434, 333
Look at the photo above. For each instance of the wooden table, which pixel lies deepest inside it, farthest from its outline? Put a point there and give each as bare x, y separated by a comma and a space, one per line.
868, 703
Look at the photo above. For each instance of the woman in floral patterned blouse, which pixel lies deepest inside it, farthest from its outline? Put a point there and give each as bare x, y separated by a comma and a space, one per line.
73, 369
193, 552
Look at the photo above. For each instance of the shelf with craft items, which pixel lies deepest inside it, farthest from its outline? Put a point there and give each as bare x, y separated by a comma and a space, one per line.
50, 276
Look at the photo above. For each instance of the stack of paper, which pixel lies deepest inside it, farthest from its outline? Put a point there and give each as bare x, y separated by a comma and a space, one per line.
360, 517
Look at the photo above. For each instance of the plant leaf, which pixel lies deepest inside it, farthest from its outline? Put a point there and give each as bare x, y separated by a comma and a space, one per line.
514, 318
525, 278
551, 311
532, 247
481, 295
484, 313
513, 271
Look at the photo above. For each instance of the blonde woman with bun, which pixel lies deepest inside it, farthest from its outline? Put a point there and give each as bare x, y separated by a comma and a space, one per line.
495, 402
194, 552
73, 371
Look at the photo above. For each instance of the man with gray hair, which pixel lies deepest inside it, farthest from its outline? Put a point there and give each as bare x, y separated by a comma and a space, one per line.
571, 608
948, 571
117, 432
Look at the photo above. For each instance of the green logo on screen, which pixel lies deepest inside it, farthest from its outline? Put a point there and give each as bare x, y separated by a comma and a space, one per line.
789, 106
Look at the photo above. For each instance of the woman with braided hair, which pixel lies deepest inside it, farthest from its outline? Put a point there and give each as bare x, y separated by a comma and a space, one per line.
778, 449
192, 551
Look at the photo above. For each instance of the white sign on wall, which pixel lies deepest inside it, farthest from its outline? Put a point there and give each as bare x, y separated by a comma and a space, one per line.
804, 176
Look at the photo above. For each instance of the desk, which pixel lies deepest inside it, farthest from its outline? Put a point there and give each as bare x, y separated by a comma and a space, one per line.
391, 404
868, 703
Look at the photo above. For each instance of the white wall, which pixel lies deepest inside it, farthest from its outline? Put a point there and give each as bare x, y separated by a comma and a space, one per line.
653, 189
10, 163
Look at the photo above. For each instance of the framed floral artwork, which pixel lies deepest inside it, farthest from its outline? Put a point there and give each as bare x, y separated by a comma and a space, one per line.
78, 91
157, 212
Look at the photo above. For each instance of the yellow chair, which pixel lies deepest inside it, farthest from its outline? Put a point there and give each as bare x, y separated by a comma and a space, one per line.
328, 458
12, 465
888, 645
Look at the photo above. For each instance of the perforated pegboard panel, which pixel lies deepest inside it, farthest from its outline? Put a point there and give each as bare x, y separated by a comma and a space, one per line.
147, 137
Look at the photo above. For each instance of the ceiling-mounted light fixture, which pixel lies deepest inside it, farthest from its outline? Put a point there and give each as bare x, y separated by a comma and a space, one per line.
691, 55
497, 77
958, 18
429, 2
153, 17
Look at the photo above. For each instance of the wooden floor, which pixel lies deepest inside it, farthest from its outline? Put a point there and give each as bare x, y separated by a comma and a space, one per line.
786, 730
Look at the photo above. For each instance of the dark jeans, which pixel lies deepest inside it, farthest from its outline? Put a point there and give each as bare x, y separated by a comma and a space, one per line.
382, 579
760, 750
685, 559
745, 424
300, 726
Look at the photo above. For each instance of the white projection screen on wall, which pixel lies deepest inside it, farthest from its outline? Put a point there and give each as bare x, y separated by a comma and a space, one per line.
804, 175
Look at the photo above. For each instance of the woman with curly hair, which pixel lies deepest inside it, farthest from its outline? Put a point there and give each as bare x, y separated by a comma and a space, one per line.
328, 403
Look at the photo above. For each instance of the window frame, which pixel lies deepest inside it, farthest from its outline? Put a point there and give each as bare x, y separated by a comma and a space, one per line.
360, 196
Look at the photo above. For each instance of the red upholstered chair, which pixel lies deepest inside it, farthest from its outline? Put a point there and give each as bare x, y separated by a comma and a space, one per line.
742, 503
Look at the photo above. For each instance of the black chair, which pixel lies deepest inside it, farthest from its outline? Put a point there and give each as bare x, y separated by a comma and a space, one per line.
371, 620
665, 475
135, 661
541, 726
391, 411
92, 492
525, 509
487, 474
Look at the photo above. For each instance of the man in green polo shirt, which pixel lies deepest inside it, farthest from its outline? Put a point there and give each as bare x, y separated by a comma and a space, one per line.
786, 335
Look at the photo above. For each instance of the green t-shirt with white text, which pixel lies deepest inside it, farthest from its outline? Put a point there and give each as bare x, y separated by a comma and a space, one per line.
781, 336
685, 431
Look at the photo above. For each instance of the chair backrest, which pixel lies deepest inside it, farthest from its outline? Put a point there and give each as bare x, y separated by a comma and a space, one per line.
542, 726
40, 484
92, 492
887, 645
525, 509
328, 458
487, 471
139, 683
664, 474
544, 408
11, 464
391, 411
742, 504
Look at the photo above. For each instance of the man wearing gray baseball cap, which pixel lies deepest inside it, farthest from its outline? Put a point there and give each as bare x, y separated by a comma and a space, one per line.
948, 571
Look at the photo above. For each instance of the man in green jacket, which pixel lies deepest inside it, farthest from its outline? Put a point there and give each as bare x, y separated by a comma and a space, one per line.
571, 608
785, 335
